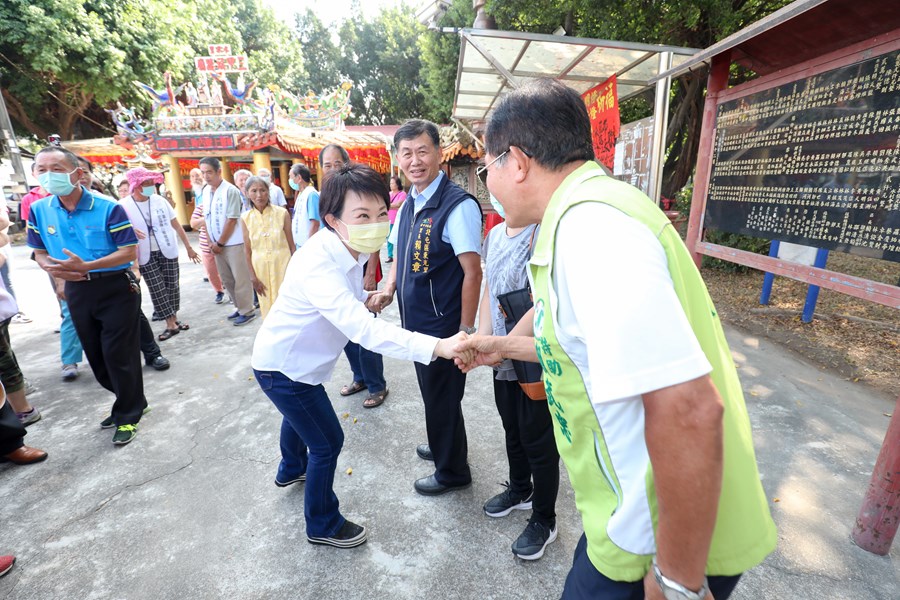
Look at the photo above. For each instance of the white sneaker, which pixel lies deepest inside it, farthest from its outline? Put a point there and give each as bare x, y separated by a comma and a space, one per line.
69, 372
21, 318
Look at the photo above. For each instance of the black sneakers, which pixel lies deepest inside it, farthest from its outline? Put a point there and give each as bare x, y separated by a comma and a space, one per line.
507, 501
108, 422
536, 537
348, 536
299, 479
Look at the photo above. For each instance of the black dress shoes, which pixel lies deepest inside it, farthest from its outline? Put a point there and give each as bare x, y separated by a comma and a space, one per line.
429, 486
160, 363
424, 452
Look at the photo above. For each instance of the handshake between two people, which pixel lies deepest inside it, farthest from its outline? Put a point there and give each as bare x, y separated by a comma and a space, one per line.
469, 351
472, 351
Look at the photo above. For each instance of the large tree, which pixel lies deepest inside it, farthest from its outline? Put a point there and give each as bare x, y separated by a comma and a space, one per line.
440, 55
689, 23
63, 61
319, 51
382, 59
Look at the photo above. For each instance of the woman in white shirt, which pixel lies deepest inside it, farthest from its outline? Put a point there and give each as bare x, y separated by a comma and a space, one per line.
152, 216
320, 307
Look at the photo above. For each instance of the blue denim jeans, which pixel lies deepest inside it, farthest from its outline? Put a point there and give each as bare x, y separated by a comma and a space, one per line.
311, 441
367, 367
69, 345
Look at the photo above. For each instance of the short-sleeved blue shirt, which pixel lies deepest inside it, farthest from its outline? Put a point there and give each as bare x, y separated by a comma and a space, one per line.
463, 230
312, 208
96, 228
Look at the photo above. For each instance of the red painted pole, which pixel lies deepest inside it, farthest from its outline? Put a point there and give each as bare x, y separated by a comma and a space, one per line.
879, 516
717, 82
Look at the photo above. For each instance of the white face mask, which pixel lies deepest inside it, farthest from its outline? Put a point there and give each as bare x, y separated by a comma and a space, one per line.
366, 237
58, 184
498, 207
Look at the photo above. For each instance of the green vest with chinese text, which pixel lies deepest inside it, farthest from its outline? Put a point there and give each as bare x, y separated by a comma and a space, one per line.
744, 532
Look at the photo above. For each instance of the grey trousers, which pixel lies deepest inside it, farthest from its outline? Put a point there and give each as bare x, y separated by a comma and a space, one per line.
232, 265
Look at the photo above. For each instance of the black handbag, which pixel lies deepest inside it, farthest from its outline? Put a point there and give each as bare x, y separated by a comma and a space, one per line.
513, 306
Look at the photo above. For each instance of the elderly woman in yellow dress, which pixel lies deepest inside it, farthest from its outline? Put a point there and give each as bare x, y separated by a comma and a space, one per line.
268, 242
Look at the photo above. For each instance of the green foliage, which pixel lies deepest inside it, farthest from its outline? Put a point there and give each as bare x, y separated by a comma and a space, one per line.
440, 55
687, 23
320, 53
63, 58
273, 51
733, 240
382, 59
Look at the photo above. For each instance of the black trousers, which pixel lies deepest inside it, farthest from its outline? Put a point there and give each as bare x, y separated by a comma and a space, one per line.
11, 430
585, 582
105, 313
149, 347
442, 385
530, 447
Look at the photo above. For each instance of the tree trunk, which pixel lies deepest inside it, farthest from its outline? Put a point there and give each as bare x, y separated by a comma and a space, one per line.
72, 103
18, 114
683, 139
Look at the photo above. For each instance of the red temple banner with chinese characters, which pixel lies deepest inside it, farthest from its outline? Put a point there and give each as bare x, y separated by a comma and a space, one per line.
602, 104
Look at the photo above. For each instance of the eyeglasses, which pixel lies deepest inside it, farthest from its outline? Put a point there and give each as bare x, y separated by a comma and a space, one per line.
484, 168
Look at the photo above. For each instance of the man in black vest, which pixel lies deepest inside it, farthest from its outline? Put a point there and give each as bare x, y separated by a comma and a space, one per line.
437, 275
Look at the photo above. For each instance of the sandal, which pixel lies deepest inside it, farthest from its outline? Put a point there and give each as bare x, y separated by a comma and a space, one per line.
168, 333
182, 326
376, 399
353, 388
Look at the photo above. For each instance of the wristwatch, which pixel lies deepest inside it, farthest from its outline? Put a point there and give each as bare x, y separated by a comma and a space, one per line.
672, 590
220, 244
467, 330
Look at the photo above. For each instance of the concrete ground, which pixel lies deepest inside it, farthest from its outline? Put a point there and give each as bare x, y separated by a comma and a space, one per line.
189, 509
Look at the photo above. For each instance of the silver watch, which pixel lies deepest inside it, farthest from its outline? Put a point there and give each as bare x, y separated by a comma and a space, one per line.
672, 590
467, 330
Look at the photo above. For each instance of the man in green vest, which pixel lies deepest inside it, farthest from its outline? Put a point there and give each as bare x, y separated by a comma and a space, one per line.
648, 412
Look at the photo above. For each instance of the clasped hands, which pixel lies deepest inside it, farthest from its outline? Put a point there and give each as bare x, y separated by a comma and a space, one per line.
70, 269
469, 351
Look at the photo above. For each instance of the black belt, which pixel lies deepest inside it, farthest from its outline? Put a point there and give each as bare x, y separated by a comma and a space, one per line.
100, 274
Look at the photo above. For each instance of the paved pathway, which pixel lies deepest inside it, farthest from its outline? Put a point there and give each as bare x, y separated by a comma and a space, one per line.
189, 510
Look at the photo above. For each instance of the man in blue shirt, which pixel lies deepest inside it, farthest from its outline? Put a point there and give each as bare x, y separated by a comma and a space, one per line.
305, 221
437, 278
87, 244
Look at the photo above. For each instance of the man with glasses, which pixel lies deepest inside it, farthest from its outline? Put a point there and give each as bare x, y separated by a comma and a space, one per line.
647, 407
437, 277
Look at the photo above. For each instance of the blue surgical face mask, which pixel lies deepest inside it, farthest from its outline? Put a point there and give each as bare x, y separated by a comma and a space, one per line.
148, 190
294, 185
58, 184
498, 207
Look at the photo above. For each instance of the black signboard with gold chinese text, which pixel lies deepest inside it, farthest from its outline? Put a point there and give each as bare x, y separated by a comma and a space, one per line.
814, 162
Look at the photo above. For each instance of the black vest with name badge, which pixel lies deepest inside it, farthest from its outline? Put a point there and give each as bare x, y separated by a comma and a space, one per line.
429, 276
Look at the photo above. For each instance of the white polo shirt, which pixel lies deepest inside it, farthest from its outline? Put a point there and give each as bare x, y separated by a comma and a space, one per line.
320, 306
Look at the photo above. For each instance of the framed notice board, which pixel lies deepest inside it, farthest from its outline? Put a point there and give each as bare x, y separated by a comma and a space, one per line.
814, 162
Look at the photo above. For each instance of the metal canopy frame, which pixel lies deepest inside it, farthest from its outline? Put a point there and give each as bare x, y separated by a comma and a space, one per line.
492, 62
513, 57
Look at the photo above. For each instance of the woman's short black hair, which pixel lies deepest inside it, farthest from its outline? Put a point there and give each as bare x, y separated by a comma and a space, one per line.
355, 177
396, 179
